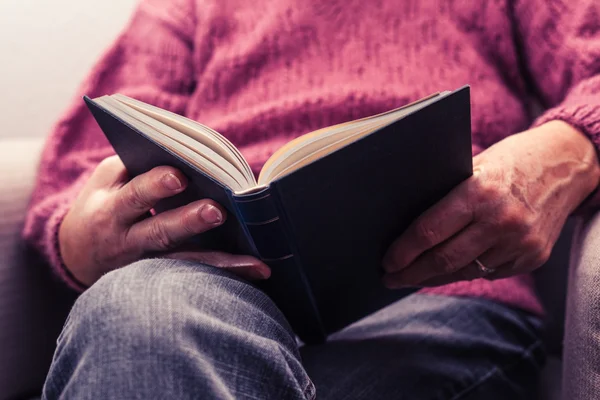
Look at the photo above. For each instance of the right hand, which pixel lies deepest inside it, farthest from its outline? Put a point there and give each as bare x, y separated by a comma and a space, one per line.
109, 225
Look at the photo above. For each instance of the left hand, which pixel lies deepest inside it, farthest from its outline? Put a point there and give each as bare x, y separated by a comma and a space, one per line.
508, 215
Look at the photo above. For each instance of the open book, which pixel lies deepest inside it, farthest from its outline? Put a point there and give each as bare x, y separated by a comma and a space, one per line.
324, 207
216, 156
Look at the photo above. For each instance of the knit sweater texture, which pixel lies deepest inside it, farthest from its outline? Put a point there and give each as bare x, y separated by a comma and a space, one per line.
263, 72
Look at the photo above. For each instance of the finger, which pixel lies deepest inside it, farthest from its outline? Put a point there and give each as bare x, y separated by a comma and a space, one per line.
167, 230
246, 267
452, 278
440, 222
510, 269
504, 271
140, 194
109, 172
445, 259
496, 259
468, 273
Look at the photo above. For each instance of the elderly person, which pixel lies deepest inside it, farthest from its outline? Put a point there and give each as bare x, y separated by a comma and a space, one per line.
263, 72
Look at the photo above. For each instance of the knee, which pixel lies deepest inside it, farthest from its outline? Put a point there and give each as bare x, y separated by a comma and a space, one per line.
128, 303
178, 320
154, 305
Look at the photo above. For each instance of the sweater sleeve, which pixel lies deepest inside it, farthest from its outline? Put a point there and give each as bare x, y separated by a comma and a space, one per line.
151, 61
560, 40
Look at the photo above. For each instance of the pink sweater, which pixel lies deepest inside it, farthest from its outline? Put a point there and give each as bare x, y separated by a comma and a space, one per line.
263, 72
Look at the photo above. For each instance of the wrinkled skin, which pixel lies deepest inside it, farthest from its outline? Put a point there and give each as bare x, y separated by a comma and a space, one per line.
508, 215
109, 224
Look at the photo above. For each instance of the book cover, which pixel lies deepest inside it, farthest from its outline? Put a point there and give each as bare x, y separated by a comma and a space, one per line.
324, 228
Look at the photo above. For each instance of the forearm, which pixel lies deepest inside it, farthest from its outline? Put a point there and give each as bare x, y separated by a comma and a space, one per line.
132, 65
561, 56
44, 217
569, 158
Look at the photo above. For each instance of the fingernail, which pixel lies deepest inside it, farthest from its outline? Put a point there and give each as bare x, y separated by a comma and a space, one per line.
387, 282
211, 214
390, 281
262, 273
171, 182
392, 261
386, 262
392, 266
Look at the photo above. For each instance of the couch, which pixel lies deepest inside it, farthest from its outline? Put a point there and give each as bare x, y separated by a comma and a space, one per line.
51, 46
34, 305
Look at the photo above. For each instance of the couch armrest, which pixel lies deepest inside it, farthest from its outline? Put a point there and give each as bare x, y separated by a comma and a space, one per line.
33, 304
581, 354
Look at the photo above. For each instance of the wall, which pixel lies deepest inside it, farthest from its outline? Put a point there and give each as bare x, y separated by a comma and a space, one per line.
46, 48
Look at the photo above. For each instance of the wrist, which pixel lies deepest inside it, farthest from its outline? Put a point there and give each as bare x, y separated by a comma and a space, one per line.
570, 153
64, 249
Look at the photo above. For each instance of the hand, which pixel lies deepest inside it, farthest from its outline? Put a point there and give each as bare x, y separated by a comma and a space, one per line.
109, 225
508, 215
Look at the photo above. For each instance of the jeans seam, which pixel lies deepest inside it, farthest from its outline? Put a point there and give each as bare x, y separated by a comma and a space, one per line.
528, 353
309, 391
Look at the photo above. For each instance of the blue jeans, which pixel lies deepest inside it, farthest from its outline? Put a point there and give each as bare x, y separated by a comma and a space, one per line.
165, 329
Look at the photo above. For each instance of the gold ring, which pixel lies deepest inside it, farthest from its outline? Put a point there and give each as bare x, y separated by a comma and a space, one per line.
483, 269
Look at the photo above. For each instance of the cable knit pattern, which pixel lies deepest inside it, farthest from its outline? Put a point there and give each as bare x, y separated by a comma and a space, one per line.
263, 72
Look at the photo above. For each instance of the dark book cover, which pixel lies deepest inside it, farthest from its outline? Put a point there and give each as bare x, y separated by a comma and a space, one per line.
323, 229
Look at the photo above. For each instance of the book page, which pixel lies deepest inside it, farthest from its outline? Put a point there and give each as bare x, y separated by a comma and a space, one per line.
217, 157
194, 130
314, 145
194, 152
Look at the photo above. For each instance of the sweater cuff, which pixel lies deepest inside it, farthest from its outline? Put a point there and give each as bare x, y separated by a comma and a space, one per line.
52, 248
586, 118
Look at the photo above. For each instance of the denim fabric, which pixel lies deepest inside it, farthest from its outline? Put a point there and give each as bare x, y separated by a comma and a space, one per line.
162, 329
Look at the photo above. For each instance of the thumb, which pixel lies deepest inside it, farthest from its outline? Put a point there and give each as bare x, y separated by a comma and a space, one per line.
246, 267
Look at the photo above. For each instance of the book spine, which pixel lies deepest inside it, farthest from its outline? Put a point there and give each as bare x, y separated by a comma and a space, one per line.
288, 287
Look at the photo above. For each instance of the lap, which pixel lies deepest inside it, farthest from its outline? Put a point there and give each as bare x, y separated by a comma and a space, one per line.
179, 330
431, 347
425, 347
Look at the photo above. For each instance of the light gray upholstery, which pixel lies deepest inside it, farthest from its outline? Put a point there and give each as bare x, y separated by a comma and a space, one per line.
32, 304
551, 282
582, 338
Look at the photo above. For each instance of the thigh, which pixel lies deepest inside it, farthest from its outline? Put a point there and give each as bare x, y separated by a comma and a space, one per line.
431, 347
176, 329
